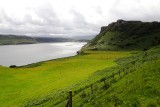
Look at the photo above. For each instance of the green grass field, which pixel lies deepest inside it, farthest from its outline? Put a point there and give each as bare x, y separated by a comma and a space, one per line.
139, 87
47, 83
36, 83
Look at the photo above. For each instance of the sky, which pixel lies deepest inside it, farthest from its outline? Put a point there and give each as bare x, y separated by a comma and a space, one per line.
71, 17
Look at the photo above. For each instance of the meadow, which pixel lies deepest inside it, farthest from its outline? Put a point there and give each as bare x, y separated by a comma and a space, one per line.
43, 83
135, 83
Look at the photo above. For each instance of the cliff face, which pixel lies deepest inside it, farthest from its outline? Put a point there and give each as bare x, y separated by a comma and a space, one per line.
126, 35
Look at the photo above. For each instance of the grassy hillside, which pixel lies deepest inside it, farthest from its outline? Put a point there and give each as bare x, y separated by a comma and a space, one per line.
126, 35
137, 85
38, 83
13, 40
47, 83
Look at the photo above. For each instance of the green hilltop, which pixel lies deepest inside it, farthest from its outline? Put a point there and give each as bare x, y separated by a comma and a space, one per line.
126, 35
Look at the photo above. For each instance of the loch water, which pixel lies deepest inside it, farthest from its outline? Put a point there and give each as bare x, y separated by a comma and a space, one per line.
31, 53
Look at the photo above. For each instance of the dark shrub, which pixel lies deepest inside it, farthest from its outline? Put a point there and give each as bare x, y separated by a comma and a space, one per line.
13, 66
80, 52
145, 49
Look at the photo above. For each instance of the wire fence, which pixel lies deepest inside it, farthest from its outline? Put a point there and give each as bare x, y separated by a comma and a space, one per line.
107, 81
105, 78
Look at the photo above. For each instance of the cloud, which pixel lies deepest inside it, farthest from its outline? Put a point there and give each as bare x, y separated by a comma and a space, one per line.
145, 10
71, 17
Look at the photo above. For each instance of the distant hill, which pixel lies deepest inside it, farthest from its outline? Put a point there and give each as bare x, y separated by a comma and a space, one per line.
126, 35
51, 39
20, 39
83, 37
14, 39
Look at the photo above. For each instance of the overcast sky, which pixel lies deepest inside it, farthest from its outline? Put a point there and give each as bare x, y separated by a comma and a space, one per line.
71, 17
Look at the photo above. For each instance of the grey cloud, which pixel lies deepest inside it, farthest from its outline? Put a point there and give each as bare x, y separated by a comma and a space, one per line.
135, 11
9, 20
49, 23
48, 15
78, 19
99, 10
81, 26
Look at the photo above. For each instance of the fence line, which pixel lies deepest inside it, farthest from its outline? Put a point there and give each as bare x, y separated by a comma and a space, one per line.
120, 74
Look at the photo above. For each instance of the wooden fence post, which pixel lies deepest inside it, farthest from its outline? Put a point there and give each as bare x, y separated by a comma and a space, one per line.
91, 88
67, 103
70, 98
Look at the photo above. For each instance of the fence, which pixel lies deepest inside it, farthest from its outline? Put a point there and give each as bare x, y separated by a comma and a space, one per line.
107, 81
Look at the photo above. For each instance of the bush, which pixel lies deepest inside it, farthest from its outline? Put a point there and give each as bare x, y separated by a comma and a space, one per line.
13, 66
145, 49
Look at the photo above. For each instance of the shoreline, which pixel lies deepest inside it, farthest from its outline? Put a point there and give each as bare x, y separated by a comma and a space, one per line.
41, 62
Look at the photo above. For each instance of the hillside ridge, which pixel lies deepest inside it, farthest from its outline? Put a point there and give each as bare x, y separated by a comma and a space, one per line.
126, 35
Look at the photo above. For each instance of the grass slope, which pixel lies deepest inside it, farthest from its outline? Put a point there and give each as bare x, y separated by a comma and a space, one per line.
47, 83
38, 83
137, 85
